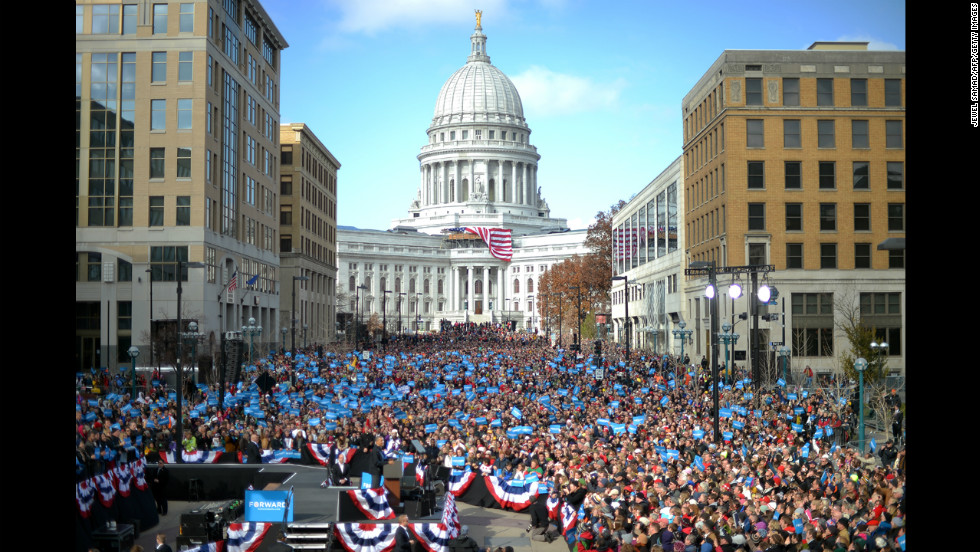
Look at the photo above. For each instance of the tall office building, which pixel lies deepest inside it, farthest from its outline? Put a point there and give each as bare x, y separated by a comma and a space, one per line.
796, 159
176, 161
308, 235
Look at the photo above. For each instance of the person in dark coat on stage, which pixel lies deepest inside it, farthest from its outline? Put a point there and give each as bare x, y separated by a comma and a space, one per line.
159, 487
378, 461
253, 455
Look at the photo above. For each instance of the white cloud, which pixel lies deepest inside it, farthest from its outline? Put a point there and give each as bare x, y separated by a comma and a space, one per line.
545, 92
371, 16
578, 223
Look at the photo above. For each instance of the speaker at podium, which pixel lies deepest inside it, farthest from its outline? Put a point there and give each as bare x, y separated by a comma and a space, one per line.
393, 473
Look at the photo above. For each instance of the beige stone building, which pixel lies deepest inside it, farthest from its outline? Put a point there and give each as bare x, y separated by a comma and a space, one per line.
177, 160
308, 235
796, 159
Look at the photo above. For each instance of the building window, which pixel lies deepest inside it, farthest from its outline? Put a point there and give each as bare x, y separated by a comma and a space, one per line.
893, 92
753, 91
896, 217
893, 134
859, 92
859, 134
793, 174
183, 162
794, 217
825, 92
754, 133
896, 259
791, 133
794, 255
163, 263
251, 31
883, 311
285, 214
862, 217
159, 71
183, 210
896, 175
156, 210
813, 324
757, 256
124, 271
827, 175
159, 19
756, 174
757, 216
530, 286
861, 176
828, 255
862, 255
825, 134
158, 114
517, 286
157, 162
791, 92
185, 66
187, 18
129, 19
105, 19
185, 108
828, 216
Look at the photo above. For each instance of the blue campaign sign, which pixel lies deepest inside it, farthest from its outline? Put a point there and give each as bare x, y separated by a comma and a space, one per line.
798, 526
459, 461
698, 434
268, 506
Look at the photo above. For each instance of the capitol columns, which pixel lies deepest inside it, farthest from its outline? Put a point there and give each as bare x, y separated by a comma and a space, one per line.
486, 289
469, 289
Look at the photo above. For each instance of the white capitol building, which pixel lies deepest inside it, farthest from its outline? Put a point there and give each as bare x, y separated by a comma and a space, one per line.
478, 169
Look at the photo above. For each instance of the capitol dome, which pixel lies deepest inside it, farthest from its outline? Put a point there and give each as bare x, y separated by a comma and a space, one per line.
478, 92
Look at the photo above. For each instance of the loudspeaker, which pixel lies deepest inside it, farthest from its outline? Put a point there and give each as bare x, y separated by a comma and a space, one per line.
442, 472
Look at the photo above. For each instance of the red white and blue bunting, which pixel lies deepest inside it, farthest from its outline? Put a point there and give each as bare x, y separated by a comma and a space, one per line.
450, 516
511, 496
123, 477
85, 496
320, 452
373, 503
196, 457
459, 481
553, 504
434, 537
246, 537
106, 486
366, 537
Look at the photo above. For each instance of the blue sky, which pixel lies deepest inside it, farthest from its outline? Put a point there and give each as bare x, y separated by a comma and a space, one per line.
601, 82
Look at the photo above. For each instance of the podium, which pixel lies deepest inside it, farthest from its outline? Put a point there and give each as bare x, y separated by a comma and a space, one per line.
392, 473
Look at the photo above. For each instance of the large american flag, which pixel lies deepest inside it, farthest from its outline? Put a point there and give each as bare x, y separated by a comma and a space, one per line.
498, 239
234, 282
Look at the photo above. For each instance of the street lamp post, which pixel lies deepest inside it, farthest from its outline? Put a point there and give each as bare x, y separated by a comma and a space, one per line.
682, 334
150, 272
783, 352
626, 302
578, 319
861, 365
728, 338
559, 294
133, 353
878, 349
360, 317
251, 330
192, 336
292, 316
400, 295
181, 266
384, 315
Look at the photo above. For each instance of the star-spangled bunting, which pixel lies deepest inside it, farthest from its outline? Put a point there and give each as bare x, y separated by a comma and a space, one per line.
498, 239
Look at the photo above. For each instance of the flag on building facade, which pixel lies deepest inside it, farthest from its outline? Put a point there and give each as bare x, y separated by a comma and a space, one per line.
498, 239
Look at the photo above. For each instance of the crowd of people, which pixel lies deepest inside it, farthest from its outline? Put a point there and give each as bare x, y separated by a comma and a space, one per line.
633, 454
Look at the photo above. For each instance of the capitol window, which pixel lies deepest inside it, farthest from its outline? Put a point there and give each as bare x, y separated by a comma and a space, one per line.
478, 134
452, 134
491, 135
466, 134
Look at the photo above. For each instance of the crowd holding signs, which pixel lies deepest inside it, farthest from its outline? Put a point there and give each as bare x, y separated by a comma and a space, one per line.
628, 462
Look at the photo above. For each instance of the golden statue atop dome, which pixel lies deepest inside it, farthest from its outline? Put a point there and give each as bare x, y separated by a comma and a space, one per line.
479, 14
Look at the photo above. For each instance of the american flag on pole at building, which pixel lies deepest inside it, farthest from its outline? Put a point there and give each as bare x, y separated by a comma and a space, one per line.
233, 283
498, 239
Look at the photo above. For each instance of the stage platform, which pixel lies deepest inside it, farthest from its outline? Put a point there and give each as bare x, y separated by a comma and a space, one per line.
314, 505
